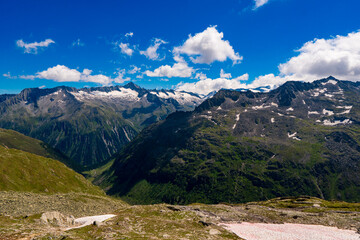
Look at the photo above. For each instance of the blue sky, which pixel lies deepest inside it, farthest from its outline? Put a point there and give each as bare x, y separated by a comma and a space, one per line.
177, 44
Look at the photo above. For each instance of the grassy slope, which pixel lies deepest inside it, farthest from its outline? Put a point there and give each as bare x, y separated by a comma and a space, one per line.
27, 172
13, 139
203, 162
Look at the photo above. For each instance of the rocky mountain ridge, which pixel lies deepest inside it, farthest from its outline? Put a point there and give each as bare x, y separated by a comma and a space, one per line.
299, 139
90, 124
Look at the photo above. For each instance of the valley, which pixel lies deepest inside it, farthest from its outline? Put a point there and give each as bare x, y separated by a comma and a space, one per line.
205, 173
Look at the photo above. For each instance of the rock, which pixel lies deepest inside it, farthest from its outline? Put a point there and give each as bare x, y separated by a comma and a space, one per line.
205, 223
214, 231
97, 223
172, 208
56, 218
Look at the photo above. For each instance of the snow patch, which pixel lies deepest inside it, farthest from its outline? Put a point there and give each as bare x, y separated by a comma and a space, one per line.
219, 108
327, 112
313, 112
336, 122
345, 107
259, 107
126, 135
85, 221
180, 97
329, 95
329, 82
293, 136
236, 119
274, 104
344, 112
122, 93
289, 231
290, 109
272, 120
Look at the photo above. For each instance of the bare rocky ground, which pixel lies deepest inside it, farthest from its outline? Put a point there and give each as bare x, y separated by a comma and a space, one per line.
21, 215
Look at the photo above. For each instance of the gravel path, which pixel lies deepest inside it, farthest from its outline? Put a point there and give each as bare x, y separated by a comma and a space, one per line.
288, 231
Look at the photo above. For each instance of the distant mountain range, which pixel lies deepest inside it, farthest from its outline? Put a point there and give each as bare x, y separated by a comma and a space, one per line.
89, 125
239, 146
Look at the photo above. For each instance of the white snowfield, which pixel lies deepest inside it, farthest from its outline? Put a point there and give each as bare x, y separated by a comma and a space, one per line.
337, 122
85, 221
289, 231
181, 97
330, 82
122, 93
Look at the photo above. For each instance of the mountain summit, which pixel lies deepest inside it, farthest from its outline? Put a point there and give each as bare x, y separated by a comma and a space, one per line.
299, 139
90, 124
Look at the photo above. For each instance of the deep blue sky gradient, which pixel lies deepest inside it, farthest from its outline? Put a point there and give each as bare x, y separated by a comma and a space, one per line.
265, 37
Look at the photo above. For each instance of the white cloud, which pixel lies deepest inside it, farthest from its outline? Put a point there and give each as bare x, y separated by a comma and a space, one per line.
78, 43
151, 51
200, 76
339, 56
134, 70
207, 47
320, 58
177, 70
269, 80
125, 49
205, 86
120, 77
8, 75
224, 75
259, 3
129, 34
33, 47
61, 73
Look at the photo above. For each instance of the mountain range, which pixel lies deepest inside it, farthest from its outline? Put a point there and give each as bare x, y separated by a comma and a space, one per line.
89, 125
239, 146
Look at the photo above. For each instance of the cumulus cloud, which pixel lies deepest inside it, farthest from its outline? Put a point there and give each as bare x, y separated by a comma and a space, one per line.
224, 75
207, 47
61, 73
125, 49
200, 76
316, 59
205, 86
259, 3
129, 34
151, 51
33, 47
177, 70
120, 77
339, 56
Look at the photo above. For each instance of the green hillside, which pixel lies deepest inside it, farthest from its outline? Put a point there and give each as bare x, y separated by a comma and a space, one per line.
13, 139
27, 172
300, 139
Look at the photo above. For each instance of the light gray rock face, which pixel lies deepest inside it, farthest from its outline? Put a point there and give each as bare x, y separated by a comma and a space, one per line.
56, 218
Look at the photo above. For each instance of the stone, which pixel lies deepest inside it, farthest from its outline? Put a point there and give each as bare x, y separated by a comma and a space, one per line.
214, 231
